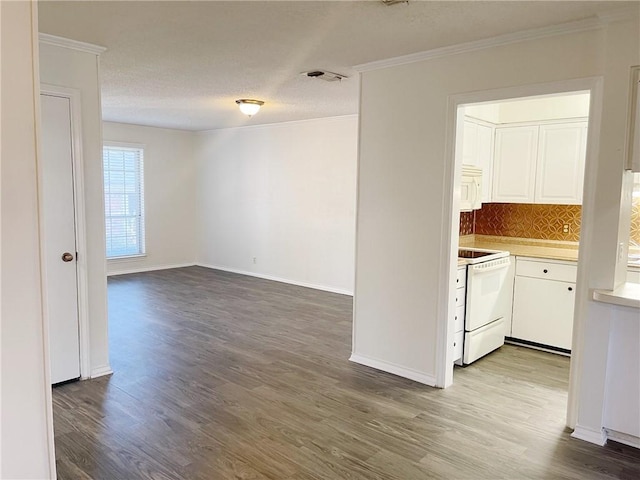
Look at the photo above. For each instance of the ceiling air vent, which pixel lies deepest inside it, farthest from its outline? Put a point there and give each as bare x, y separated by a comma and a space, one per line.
324, 75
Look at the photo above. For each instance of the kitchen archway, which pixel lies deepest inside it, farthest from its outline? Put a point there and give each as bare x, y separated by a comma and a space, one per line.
515, 191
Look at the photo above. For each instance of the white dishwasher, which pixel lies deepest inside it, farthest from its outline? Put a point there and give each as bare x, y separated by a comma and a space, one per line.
488, 303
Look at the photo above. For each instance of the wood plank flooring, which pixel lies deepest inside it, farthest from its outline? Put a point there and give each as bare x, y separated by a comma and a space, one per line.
221, 376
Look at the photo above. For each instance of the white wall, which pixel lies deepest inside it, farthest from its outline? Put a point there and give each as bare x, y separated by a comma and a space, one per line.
405, 208
283, 194
76, 69
169, 194
26, 424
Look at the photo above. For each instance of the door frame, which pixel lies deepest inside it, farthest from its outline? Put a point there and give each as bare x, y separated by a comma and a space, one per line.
74, 97
448, 267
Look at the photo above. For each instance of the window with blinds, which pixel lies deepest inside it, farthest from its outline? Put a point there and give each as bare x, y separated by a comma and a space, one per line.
123, 200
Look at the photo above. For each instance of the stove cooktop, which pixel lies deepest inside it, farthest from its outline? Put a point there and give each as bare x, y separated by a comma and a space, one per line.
465, 253
478, 255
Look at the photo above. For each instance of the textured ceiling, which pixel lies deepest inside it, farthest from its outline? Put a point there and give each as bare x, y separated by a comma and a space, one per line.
182, 64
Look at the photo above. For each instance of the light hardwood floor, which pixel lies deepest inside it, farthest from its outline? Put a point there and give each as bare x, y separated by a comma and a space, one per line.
221, 376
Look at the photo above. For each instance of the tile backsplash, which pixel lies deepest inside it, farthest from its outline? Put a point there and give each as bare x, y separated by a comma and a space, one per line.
467, 219
543, 222
526, 220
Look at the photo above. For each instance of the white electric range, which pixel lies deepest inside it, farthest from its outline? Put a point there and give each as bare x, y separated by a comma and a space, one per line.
488, 301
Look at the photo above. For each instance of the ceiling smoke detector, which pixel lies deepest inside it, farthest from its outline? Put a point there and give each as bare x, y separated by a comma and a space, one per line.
393, 2
324, 75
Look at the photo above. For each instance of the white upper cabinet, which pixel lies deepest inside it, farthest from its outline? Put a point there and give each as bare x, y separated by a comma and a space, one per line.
478, 151
560, 169
514, 165
484, 159
540, 163
470, 143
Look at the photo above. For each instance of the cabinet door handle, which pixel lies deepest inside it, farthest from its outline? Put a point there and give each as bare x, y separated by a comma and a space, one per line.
570, 289
545, 271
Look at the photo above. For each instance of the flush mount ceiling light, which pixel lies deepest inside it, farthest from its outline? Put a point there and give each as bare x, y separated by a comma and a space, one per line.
248, 106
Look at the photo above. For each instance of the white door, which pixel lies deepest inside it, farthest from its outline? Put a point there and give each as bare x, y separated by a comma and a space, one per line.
561, 157
514, 167
60, 238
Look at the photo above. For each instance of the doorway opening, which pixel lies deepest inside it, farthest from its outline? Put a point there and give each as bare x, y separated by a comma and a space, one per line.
518, 178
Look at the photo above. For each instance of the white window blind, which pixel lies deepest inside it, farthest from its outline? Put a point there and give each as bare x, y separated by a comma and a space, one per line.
123, 200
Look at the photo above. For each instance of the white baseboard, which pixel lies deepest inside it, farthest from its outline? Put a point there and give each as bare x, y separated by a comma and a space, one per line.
599, 437
394, 369
101, 371
625, 438
315, 286
149, 269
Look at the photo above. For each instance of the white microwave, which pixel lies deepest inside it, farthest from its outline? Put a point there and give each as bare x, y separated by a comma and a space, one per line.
471, 189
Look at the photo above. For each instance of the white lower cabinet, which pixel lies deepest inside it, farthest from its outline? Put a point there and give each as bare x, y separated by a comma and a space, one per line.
543, 302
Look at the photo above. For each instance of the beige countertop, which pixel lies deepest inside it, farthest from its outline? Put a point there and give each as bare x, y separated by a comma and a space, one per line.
524, 247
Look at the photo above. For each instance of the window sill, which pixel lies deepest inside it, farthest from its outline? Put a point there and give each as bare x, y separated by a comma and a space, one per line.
626, 295
126, 258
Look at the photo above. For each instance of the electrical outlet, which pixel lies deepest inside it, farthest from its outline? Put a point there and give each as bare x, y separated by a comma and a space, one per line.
565, 228
621, 251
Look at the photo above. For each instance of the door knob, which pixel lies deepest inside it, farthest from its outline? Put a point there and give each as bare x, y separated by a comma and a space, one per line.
67, 257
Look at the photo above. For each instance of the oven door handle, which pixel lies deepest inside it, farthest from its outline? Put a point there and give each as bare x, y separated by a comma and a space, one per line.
490, 266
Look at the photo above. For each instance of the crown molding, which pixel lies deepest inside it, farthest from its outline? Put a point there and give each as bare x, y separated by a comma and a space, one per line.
276, 124
72, 44
509, 38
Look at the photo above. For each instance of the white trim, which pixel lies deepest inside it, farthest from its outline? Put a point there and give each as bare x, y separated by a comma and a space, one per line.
531, 123
593, 85
586, 233
74, 97
123, 145
621, 437
447, 264
266, 125
149, 269
101, 371
599, 437
389, 367
633, 121
125, 258
315, 286
357, 214
500, 40
72, 44
46, 365
479, 121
